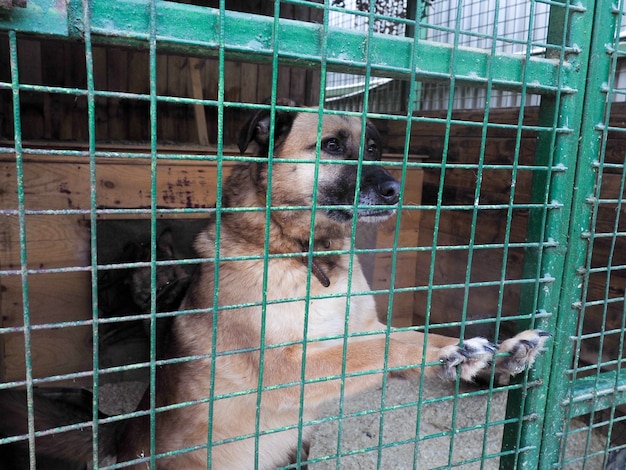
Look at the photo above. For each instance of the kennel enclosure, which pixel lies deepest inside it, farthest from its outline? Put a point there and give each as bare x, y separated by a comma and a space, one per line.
125, 112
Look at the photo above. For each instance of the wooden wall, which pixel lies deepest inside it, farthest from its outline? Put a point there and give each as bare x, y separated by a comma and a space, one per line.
63, 117
62, 241
60, 121
455, 227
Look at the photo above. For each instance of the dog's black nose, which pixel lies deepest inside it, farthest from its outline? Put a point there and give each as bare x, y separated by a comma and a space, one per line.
389, 190
379, 181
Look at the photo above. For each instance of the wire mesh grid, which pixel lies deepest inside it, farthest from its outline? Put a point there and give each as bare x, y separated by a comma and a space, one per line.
595, 370
471, 183
513, 28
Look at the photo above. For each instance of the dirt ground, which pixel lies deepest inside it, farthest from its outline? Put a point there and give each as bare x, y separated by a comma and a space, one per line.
361, 429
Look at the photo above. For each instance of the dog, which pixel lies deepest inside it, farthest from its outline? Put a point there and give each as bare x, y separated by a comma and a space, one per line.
293, 308
292, 325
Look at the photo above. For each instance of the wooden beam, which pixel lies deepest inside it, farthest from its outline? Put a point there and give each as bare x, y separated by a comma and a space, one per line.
195, 66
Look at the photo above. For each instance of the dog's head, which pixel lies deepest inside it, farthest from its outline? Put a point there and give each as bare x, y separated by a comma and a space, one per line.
295, 137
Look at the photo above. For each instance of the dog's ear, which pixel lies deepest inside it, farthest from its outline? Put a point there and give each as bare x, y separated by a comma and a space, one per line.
371, 131
372, 134
257, 128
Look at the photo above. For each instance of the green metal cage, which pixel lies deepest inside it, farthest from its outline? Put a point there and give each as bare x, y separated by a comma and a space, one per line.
534, 199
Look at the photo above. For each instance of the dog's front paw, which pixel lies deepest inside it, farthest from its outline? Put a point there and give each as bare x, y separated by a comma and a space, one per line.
471, 358
521, 351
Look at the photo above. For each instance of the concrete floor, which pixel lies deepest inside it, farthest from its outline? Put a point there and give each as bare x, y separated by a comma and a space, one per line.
436, 419
399, 425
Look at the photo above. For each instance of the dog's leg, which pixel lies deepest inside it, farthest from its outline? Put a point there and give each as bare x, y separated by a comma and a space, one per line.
476, 355
364, 361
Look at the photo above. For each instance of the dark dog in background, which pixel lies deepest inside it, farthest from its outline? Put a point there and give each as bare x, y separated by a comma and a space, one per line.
291, 307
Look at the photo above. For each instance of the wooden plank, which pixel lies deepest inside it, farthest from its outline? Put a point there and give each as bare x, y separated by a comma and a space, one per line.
313, 87
297, 86
76, 67
402, 313
139, 82
29, 63
249, 78
180, 115
232, 79
195, 66
117, 75
62, 185
166, 122
100, 65
264, 84
210, 88
177, 82
53, 241
59, 351
53, 75
53, 298
210, 79
283, 86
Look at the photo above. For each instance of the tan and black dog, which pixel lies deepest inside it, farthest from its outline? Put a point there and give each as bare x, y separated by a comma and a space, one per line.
273, 313
285, 334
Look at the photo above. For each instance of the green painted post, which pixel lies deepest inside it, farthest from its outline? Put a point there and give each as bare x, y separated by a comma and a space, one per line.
604, 44
537, 439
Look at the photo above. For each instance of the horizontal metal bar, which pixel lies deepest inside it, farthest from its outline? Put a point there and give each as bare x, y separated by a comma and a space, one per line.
195, 30
189, 29
593, 393
46, 17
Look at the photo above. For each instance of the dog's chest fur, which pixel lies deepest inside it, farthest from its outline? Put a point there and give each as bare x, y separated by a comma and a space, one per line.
289, 298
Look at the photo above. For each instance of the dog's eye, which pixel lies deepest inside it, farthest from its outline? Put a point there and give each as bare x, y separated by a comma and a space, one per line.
372, 149
333, 146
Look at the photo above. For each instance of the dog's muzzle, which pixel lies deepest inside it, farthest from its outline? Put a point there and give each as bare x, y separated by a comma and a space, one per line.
379, 190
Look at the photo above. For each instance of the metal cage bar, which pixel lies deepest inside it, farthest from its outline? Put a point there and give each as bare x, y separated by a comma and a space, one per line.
566, 196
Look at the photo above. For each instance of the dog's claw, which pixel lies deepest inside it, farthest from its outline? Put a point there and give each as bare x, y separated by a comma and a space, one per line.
477, 354
522, 351
529, 344
473, 356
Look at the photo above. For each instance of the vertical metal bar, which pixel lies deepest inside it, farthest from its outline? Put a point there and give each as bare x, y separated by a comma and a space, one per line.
413, 90
509, 216
603, 99
414, 100
307, 302
371, 21
152, 44
433, 251
476, 207
91, 118
19, 170
268, 218
359, 170
600, 81
557, 149
218, 203
218, 224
